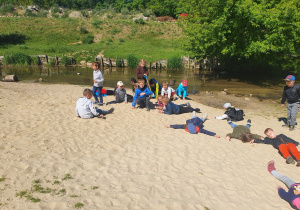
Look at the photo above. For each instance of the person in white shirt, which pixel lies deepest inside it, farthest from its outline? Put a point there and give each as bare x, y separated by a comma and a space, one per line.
85, 108
167, 90
98, 83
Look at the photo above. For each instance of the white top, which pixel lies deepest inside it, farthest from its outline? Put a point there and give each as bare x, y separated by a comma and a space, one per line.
85, 108
168, 91
97, 75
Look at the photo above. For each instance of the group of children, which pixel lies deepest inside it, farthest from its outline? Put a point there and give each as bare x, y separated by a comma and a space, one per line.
164, 95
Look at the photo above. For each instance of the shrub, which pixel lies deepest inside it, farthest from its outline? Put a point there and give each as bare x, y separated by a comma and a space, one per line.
65, 60
115, 31
89, 39
84, 13
121, 40
146, 14
18, 58
83, 30
140, 21
174, 62
118, 62
124, 11
132, 61
7, 8
65, 15
29, 13
55, 9
110, 40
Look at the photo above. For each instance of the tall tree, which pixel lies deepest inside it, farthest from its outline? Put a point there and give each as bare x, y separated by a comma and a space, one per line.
261, 31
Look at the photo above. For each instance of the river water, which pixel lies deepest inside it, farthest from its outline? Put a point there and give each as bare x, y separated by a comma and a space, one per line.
262, 86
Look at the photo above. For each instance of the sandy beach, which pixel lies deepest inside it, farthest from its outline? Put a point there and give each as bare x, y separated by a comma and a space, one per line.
130, 160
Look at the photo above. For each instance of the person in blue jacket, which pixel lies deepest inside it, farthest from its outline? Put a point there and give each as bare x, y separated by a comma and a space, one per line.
194, 126
293, 195
181, 91
141, 96
155, 87
171, 108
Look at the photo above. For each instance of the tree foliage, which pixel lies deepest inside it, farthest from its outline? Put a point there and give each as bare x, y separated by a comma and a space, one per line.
253, 31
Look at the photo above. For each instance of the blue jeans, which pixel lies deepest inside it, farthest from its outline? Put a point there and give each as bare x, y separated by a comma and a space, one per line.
234, 125
100, 111
99, 94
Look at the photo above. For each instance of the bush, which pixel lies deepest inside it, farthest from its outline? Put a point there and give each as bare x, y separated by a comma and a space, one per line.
174, 62
118, 62
115, 31
65, 15
121, 40
65, 60
18, 58
83, 30
8, 8
147, 14
140, 21
132, 61
110, 40
29, 13
84, 13
124, 11
89, 39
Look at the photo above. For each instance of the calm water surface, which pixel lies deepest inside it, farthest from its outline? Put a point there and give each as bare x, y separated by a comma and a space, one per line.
264, 86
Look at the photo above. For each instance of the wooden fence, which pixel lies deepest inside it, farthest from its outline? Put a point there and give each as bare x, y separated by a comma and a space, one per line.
187, 62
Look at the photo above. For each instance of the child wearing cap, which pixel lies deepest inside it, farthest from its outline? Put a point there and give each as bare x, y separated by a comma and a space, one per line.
171, 108
194, 126
182, 89
233, 113
120, 93
291, 93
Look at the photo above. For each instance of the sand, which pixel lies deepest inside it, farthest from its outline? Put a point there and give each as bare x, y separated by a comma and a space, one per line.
129, 160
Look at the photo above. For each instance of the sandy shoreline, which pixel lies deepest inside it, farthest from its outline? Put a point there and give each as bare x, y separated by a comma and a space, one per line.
130, 160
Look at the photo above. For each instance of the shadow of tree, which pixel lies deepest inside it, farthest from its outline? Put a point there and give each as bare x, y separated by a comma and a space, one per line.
13, 39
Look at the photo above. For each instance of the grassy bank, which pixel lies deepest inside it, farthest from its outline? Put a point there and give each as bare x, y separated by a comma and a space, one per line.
70, 36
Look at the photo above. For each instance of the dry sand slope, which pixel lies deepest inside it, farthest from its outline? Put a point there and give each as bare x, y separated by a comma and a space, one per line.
129, 160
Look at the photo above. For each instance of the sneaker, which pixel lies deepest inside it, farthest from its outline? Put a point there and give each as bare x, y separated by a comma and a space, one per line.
100, 104
188, 104
111, 110
205, 116
197, 110
271, 166
248, 122
298, 163
290, 160
96, 102
194, 113
292, 127
285, 125
229, 120
148, 109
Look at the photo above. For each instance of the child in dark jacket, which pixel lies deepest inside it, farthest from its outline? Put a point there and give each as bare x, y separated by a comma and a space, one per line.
233, 113
155, 87
293, 195
194, 126
171, 108
284, 144
241, 132
141, 96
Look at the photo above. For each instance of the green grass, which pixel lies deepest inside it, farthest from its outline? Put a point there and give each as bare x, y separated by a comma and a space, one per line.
78, 205
2, 179
57, 36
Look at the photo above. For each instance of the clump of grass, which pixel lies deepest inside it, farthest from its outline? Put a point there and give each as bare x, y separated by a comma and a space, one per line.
121, 40
94, 187
132, 61
83, 30
18, 58
65, 60
7, 8
21, 193
115, 31
89, 39
62, 191
56, 182
78, 205
74, 196
174, 62
32, 199
67, 176
2, 179
140, 21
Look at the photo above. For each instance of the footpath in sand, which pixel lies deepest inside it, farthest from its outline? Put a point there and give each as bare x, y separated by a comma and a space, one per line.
129, 160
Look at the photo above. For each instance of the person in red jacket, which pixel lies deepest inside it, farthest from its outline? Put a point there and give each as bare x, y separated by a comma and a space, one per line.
142, 71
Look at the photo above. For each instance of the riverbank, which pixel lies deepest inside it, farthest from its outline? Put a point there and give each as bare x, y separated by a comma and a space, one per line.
130, 160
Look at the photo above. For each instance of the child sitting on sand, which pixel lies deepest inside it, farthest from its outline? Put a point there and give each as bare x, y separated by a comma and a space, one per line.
172, 108
293, 195
141, 96
155, 87
181, 91
241, 132
85, 108
284, 144
233, 113
167, 91
120, 94
194, 126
